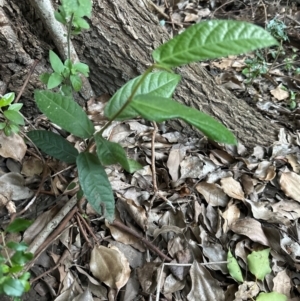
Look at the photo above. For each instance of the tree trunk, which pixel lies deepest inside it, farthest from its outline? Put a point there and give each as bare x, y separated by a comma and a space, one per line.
117, 48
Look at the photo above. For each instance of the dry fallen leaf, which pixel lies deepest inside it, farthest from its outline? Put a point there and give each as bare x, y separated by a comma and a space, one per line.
110, 266
232, 188
12, 146
290, 184
213, 194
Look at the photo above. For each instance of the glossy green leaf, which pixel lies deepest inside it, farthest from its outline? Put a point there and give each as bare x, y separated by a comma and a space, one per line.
95, 185
55, 79
65, 112
17, 246
56, 63
18, 225
273, 296
160, 109
258, 263
14, 116
54, 145
7, 99
13, 287
157, 84
234, 268
212, 39
111, 153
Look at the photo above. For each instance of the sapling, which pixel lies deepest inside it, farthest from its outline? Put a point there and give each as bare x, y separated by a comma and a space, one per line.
148, 96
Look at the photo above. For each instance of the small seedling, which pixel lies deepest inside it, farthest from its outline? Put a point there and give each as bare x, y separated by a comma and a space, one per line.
148, 96
12, 119
14, 282
259, 266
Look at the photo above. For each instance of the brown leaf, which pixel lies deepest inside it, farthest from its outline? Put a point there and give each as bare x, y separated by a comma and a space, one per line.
213, 194
12, 146
250, 228
110, 266
290, 184
204, 286
232, 188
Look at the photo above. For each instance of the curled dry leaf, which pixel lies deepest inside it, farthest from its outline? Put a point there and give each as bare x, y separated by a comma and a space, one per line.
232, 188
110, 266
230, 215
290, 184
12, 146
213, 194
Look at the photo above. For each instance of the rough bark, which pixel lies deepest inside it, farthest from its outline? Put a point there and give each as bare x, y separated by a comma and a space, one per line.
117, 48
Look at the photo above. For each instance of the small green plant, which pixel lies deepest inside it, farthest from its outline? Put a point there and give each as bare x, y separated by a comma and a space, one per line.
148, 96
259, 266
13, 280
11, 117
255, 67
277, 29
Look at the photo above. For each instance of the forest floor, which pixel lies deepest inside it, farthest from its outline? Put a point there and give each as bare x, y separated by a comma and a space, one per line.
205, 200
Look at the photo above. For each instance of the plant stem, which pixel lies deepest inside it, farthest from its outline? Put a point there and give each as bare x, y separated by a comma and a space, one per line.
69, 36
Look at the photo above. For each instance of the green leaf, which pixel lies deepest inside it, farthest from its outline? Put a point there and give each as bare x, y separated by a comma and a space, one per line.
70, 7
160, 109
212, 39
65, 112
273, 296
13, 287
14, 116
258, 263
18, 225
2, 125
157, 84
85, 8
44, 78
60, 17
56, 63
234, 268
95, 185
17, 246
15, 106
82, 68
14, 128
7, 99
76, 82
80, 23
16, 269
112, 153
54, 80
54, 145
20, 257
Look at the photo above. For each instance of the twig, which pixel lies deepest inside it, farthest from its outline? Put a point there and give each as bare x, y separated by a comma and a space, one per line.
82, 230
119, 225
153, 156
26, 81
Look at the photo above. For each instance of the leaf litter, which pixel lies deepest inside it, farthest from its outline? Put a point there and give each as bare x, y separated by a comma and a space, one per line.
209, 199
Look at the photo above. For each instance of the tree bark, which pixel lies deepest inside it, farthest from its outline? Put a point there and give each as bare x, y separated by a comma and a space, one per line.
117, 48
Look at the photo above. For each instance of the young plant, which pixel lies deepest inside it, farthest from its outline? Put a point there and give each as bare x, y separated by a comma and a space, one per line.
11, 117
148, 96
259, 266
13, 281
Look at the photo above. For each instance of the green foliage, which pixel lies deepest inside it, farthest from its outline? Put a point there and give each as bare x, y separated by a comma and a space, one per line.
10, 112
255, 67
13, 280
95, 185
149, 95
65, 112
210, 40
271, 297
54, 145
277, 29
258, 263
234, 268
259, 266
